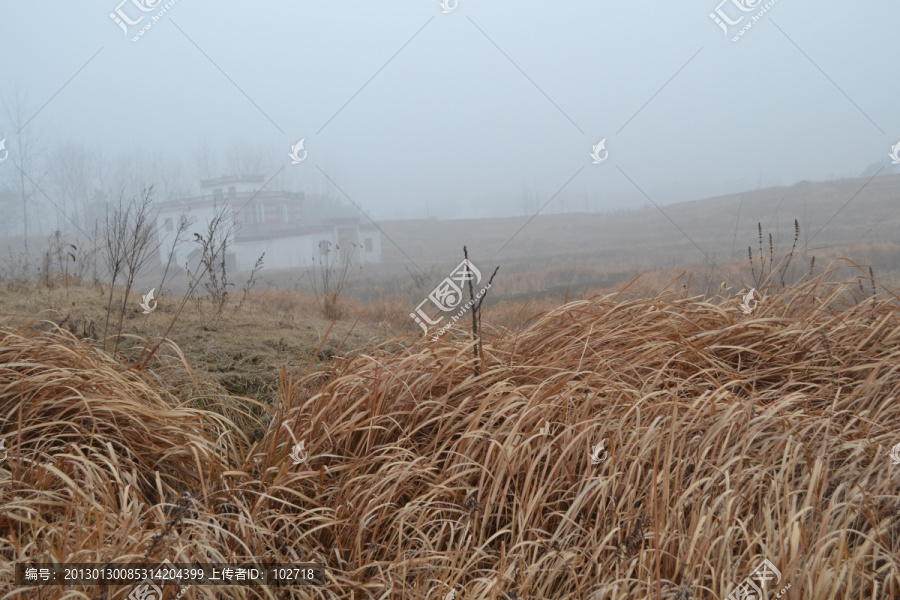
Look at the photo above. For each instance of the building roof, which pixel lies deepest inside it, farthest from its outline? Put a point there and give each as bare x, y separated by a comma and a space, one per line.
231, 179
237, 198
252, 234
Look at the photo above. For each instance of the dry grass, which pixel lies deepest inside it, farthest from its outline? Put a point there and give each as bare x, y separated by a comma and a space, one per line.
96, 453
243, 353
730, 439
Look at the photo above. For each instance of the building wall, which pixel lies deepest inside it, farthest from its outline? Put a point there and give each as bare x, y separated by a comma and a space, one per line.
292, 252
281, 253
304, 250
169, 219
373, 235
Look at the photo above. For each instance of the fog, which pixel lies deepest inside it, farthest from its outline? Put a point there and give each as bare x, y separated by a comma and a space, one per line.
490, 109
450, 299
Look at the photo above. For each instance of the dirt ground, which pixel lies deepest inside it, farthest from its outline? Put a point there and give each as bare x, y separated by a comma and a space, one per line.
242, 351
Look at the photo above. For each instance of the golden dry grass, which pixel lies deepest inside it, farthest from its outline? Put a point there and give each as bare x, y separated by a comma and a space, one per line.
730, 439
242, 353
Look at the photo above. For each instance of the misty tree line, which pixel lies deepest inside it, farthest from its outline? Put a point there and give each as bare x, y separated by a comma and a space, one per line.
48, 185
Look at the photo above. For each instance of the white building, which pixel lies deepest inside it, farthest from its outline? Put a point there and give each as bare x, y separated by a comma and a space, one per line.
280, 224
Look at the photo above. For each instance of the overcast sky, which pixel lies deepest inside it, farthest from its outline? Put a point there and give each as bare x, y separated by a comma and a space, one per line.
404, 106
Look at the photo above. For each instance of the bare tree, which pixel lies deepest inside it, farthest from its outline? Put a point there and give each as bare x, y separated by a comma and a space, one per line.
23, 150
141, 236
204, 160
168, 177
72, 173
240, 159
115, 235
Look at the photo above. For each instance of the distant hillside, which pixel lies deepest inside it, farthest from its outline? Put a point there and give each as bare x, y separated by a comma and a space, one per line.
840, 213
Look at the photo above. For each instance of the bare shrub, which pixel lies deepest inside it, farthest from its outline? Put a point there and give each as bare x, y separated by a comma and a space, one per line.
251, 281
211, 267
184, 222
15, 266
330, 277
422, 280
476, 310
214, 242
55, 262
770, 271
130, 238
114, 249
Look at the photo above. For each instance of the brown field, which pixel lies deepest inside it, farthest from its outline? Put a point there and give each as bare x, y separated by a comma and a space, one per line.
849, 217
729, 439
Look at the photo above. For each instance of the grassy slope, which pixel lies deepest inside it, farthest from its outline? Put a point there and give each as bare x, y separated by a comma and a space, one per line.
730, 439
716, 224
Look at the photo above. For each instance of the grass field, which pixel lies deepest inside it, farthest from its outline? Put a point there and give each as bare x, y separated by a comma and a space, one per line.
635, 445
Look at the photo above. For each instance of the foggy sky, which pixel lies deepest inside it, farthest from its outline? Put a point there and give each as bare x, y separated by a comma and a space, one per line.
404, 106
